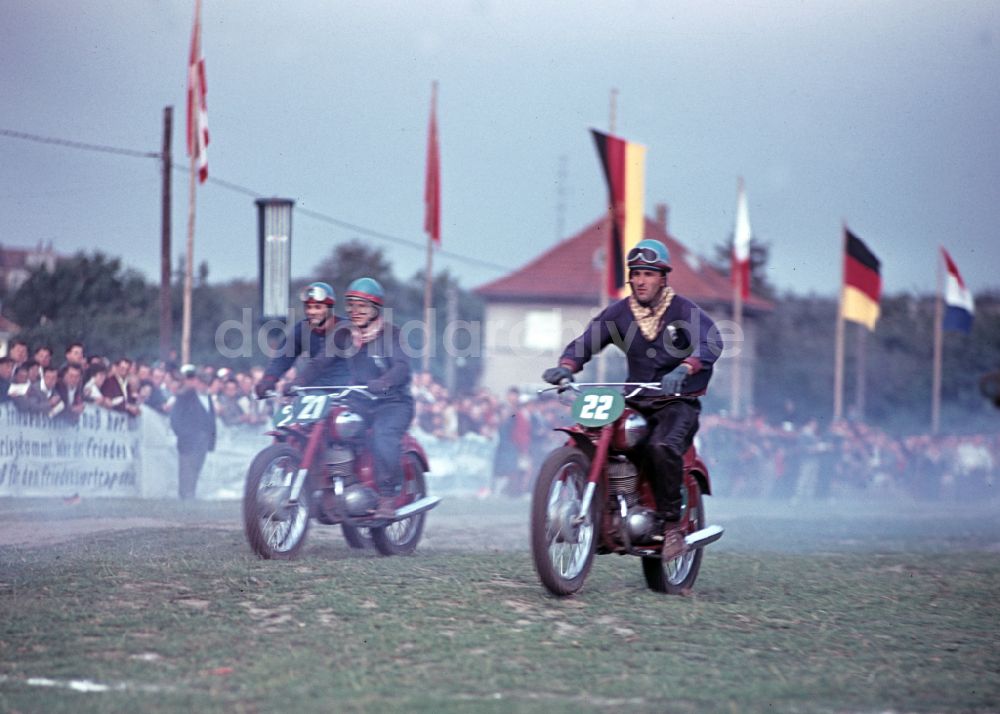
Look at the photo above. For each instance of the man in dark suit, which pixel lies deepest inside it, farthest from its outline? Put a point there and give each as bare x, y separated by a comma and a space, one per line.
193, 420
70, 391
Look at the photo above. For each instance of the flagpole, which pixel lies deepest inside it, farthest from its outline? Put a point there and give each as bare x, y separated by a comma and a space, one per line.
734, 399
188, 268
428, 269
860, 384
838, 367
938, 350
428, 291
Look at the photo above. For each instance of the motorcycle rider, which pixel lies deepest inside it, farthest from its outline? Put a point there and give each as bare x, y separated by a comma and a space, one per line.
377, 359
311, 335
668, 339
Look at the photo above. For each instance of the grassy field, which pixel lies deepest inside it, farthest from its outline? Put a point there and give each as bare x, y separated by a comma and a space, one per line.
794, 611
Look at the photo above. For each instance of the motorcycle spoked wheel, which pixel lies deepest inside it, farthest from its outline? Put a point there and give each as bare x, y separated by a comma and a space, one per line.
677, 575
401, 537
563, 552
359, 537
274, 529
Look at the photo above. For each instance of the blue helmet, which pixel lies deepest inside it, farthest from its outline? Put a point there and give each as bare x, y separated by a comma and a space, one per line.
318, 292
649, 254
366, 289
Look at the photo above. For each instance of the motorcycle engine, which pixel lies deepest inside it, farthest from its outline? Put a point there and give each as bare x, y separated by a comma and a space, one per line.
359, 499
641, 524
339, 461
623, 479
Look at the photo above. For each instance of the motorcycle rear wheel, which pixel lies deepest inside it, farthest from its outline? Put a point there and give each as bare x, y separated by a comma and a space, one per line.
401, 537
358, 537
563, 550
677, 575
274, 529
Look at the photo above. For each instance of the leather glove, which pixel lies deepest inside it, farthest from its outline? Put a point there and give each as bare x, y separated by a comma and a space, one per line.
555, 375
378, 386
264, 386
673, 380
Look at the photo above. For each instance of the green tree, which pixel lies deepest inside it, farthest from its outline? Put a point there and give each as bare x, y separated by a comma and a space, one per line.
88, 298
760, 253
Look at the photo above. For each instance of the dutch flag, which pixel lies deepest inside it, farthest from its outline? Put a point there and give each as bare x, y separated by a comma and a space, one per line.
957, 299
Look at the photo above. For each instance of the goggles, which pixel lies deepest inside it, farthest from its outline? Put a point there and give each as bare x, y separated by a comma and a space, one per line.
641, 257
314, 293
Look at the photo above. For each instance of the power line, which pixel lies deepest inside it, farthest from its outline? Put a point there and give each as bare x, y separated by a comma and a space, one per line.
80, 145
229, 185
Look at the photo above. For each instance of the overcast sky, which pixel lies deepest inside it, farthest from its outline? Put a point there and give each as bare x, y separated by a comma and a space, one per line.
883, 115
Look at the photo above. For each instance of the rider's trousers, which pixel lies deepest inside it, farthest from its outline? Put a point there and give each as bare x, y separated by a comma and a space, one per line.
672, 429
389, 422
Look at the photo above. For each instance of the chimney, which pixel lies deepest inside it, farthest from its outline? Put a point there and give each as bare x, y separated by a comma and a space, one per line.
661, 216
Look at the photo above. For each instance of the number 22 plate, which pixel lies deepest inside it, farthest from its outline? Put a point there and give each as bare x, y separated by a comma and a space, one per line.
598, 406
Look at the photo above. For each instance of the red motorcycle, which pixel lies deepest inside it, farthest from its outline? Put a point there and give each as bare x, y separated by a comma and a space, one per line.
320, 466
591, 496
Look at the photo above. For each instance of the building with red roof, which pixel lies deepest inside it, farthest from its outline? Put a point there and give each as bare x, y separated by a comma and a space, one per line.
532, 313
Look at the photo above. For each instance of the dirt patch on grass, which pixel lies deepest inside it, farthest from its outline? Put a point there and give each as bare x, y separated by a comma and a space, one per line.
51, 531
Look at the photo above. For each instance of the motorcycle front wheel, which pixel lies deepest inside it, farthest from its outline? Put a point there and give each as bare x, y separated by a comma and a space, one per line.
275, 528
562, 539
401, 537
677, 575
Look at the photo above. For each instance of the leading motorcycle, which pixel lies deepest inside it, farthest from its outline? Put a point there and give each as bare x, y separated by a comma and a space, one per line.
592, 497
321, 466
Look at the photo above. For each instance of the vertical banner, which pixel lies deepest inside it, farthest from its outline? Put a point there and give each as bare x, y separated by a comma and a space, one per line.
624, 165
274, 221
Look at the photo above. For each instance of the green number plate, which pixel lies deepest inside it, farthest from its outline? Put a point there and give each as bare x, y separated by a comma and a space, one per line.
306, 408
598, 406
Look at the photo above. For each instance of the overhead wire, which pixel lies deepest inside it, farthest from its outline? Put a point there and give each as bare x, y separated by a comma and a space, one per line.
229, 185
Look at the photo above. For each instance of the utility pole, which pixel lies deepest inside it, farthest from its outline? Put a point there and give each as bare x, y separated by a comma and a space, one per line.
166, 313
608, 259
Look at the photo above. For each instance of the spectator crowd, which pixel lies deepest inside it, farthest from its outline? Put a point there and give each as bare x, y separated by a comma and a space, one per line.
750, 457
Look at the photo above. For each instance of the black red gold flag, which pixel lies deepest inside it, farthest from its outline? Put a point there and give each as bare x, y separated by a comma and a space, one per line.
624, 169
859, 301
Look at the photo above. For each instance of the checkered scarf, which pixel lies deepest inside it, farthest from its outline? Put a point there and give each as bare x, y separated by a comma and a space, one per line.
649, 318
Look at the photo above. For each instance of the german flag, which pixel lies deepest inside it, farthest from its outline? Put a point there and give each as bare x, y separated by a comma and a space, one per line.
859, 301
624, 166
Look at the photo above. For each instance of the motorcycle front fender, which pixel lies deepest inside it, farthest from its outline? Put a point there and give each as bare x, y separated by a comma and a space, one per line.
581, 441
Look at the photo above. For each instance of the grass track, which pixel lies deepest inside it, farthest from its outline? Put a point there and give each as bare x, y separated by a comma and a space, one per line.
184, 618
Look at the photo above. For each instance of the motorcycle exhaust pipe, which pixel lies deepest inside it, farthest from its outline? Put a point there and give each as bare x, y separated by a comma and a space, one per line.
412, 509
703, 537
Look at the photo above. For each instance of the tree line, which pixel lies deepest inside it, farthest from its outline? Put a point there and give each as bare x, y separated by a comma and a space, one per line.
93, 298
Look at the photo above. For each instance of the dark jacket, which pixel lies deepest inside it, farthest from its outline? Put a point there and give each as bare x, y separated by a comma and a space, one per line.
67, 413
333, 344
194, 427
692, 338
381, 364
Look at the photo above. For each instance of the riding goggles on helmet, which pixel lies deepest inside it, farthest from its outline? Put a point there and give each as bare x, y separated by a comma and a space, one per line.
643, 257
315, 293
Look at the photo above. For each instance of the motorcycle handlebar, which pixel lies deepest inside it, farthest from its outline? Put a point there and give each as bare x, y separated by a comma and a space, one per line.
337, 392
576, 386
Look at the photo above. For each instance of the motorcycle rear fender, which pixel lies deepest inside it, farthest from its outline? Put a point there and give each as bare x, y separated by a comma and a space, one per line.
697, 468
702, 478
411, 445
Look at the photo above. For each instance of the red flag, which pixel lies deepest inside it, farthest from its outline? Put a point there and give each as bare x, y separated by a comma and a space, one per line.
741, 245
432, 182
197, 109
